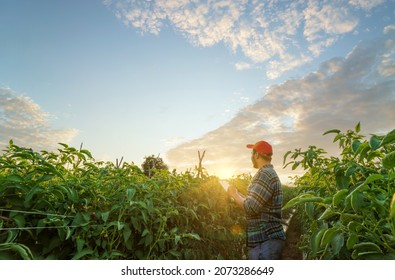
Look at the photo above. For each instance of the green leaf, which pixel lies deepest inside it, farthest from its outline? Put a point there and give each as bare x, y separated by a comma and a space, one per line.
29, 196
339, 196
355, 145
105, 216
351, 241
23, 250
342, 181
45, 177
331, 131
362, 150
302, 199
357, 200
389, 160
72, 195
371, 178
148, 240
309, 209
175, 253
337, 242
120, 225
374, 142
389, 138
86, 152
351, 170
127, 232
358, 127
145, 232
81, 219
285, 156
19, 220
392, 207
367, 247
354, 226
83, 253
328, 213
11, 236
376, 256
315, 240
14, 178
136, 224
68, 233
130, 193
337, 137
373, 155
328, 235
295, 165
80, 244
192, 236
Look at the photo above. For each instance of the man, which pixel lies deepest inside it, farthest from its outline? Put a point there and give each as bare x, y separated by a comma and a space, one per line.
262, 205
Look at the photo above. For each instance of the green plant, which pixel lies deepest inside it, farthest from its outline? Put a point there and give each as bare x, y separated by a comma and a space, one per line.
67, 205
348, 200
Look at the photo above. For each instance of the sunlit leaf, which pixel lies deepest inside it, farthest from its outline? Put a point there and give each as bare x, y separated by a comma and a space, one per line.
389, 160
392, 208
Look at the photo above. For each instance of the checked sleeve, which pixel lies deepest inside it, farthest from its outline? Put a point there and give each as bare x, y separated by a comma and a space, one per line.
258, 196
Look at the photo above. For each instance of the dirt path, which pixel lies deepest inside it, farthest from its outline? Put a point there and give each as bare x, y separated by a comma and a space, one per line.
291, 251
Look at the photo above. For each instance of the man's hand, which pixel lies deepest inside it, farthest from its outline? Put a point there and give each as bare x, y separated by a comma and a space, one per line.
232, 191
236, 196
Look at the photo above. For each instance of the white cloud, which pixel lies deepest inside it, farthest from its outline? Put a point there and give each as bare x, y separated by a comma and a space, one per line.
23, 121
340, 93
242, 66
325, 19
387, 67
264, 31
366, 4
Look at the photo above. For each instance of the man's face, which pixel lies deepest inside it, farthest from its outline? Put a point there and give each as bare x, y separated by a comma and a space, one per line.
254, 159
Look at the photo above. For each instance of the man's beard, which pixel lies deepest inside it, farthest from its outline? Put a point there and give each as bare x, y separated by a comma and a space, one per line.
254, 163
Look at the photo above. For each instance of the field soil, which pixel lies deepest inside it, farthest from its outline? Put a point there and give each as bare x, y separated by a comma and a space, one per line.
291, 250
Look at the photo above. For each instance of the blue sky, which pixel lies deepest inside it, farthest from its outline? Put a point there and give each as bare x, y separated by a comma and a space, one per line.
135, 78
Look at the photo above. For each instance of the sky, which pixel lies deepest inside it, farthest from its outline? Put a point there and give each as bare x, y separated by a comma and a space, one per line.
170, 78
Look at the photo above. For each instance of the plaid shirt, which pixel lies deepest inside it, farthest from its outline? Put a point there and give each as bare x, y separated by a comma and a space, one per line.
263, 207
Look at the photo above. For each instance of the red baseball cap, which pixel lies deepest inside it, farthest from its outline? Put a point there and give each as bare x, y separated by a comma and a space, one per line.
261, 147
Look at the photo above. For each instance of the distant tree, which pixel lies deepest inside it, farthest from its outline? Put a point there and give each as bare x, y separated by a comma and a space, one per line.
152, 163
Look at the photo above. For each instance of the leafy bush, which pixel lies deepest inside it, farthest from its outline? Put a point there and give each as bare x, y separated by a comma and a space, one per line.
66, 205
349, 210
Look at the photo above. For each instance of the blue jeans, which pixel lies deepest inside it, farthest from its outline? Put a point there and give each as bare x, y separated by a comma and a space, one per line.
268, 250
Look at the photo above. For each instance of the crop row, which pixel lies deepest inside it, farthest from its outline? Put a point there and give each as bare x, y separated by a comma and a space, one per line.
348, 202
66, 205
